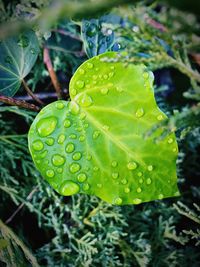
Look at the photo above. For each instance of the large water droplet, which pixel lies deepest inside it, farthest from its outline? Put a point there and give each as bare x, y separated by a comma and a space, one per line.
38, 145
127, 190
61, 139
139, 190
74, 108
80, 84
150, 168
77, 156
70, 148
58, 160
118, 201
50, 173
148, 181
85, 100
74, 167
59, 105
139, 113
69, 188
137, 201
46, 126
95, 134
114, 163
49, 141
81, 177
104, 91
132, 165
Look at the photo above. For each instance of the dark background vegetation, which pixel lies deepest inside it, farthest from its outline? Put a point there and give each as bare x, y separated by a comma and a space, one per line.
51, 230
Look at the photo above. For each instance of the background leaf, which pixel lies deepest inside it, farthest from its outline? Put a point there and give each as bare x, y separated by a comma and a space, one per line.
17, 57
95, 144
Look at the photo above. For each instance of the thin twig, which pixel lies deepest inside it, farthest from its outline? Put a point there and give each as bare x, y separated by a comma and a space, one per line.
30, 195
28, 90
52, 74
20, 103
71, 35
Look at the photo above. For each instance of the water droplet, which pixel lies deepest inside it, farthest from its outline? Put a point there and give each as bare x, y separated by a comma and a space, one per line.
90, 65
95, 134
174, 149
148, 181
23, 41
124, 181
49, 141
86, 187
139, 174
81, 138
81, 177
114, 163
46, 126
137, 201
73, 92
94, 77
81, 71
141, 181
85, 100
92, 30
69, 188
74, 108
104, 91
127, 190
77, 156
119, 89
89, 157
86, 125
105, 76
61, 139
150, 168
170, 140
111, 74
8, 60
80, 84
73, 136
32, 51
112, 67
70, 148
115, 175
160, 196
82, 116
58, 160
74, 167
60, 170
139, 113
50, 173
118, 201
160, 117
99, 185
43, 154
59, 105
139, 190
95, 168
146, 75
132, 165
67, 123
38, 145
106, 127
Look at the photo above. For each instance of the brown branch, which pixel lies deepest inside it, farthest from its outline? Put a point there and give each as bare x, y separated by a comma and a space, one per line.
20, 103
69, 34
52, 74
28, 90
30, 195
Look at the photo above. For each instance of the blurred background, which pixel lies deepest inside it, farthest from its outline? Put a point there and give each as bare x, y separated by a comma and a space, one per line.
38, 227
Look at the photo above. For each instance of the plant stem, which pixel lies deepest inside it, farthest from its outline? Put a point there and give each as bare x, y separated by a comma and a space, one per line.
20, 103
28, 90
52, 74
30, 195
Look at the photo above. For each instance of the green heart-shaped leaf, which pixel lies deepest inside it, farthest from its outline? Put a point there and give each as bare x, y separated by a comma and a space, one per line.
95, 144
17, 57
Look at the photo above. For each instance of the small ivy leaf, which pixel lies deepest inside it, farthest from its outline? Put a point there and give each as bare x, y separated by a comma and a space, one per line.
95, 144
97, 39
17, 57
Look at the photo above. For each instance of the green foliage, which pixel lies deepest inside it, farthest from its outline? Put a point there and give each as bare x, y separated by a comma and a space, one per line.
17, 57
78, 148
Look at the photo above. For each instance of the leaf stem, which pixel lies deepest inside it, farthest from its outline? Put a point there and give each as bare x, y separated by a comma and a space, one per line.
52, 74
28, 90
20, 103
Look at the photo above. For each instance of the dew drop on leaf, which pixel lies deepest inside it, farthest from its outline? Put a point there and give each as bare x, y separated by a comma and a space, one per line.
77, 156
148, 181
81, 138
95, 134
69, 188
74, 108
59, 105
160, 196
150, 168
132, 165
50, 173
115, 175
114, 163
69, 148
139, 190
46, 126
160, 117
137, 201
118, 201
61, 139
85, 100
170, 140
23, 41
86, 187
139, 113
50, 141
90, 65
80, 84
38, 145
81, 177
74, 167
58, 160
127, 190
124, 181
141, 181
104, 91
